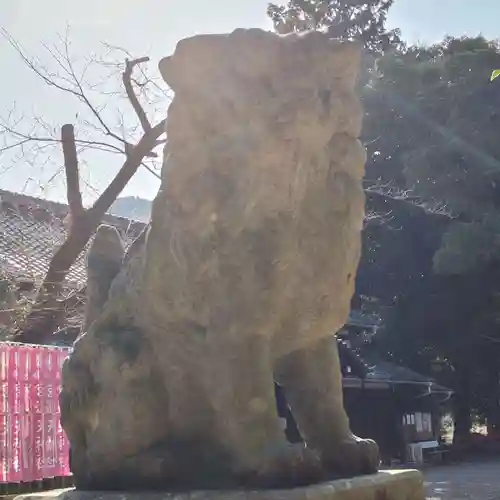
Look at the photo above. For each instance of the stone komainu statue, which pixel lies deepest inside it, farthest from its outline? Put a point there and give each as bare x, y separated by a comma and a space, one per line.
244, 272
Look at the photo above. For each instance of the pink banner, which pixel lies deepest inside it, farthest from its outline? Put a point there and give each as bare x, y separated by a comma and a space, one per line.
33, 445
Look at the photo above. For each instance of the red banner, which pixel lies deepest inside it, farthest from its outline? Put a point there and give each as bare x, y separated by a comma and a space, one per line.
33, 445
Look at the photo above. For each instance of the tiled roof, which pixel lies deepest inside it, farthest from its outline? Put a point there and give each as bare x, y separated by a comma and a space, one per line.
30, 231
363, 320
396, 374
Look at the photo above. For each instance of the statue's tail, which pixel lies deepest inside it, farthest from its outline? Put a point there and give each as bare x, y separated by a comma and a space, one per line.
104, 260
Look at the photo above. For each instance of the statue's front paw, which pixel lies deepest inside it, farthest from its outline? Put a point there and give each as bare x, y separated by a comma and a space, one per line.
352, 457
291, 466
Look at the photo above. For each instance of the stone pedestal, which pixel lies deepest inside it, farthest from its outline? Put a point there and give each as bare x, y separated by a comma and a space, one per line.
386, 485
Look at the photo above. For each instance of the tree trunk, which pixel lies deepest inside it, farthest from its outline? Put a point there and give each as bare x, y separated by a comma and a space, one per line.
493, 408
462, 407
463, 420
47, 313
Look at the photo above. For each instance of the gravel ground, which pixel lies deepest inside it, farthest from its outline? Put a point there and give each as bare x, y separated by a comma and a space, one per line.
465, 481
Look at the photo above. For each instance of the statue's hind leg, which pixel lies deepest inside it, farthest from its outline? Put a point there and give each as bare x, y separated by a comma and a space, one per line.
312, 381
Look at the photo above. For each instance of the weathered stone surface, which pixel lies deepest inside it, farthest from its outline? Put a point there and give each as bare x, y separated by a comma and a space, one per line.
246, 270
386, 485
106, 255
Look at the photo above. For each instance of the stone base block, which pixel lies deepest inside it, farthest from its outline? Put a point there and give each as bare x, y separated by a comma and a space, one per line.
386, 485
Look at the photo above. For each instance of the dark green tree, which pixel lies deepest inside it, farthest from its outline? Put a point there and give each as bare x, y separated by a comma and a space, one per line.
362, 20
432, 131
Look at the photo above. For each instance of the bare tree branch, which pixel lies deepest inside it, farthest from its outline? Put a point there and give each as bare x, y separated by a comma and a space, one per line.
72, 83
71, 168
151, 171
127, 83
130, 166
24, 138
94, 131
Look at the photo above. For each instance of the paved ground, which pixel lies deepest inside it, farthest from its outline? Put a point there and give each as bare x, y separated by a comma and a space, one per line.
466, 481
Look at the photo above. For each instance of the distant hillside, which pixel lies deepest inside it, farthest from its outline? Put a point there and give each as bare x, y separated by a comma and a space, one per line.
132, 207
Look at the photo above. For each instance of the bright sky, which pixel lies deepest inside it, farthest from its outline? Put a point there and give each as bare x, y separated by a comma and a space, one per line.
152, 27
